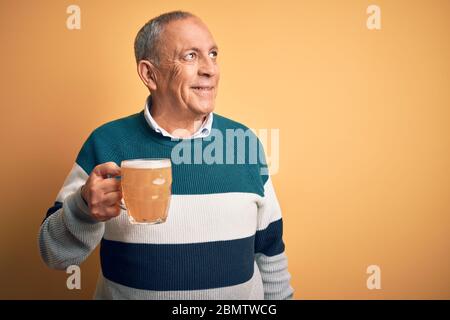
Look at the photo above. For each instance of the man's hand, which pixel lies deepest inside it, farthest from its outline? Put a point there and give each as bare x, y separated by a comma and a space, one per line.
102, 192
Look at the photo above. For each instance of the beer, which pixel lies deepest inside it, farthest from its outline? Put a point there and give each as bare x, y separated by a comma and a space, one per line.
146, 189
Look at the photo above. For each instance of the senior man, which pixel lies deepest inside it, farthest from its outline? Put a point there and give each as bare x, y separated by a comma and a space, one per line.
223, 235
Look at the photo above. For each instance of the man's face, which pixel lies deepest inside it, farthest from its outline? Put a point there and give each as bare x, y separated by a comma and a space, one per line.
188, 73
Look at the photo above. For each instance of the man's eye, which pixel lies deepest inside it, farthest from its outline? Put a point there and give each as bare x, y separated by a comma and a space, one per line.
213, 54
190, 56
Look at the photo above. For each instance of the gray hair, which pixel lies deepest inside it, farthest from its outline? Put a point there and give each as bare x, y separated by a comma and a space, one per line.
148, 38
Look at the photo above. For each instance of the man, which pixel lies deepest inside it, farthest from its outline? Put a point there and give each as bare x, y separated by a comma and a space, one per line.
223, 235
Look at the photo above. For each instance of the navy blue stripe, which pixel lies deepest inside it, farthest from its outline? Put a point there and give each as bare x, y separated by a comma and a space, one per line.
165, 267
52, 210
270, 240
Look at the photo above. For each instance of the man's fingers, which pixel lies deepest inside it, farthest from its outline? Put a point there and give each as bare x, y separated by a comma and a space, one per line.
107, 170
107, 213
112, 211
102, 192
109, 185
112, 198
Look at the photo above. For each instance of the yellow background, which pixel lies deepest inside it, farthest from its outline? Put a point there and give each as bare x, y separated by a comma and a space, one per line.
363, 116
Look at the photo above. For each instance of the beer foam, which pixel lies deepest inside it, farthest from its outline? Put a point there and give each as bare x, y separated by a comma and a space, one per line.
146, 163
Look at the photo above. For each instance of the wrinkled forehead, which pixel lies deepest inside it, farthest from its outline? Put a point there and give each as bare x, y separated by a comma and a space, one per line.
185, 34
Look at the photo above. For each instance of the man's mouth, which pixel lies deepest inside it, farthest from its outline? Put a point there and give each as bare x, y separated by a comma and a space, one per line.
203, 88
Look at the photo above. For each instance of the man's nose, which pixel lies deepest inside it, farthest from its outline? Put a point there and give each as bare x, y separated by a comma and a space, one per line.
207, 67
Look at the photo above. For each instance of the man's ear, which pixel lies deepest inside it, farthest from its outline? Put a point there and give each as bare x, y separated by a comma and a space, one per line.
147, 73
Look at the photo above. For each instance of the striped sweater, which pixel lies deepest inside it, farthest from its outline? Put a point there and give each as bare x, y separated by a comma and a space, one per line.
222, 238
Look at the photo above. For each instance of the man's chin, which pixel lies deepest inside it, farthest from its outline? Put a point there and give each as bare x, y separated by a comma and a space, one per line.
203, 108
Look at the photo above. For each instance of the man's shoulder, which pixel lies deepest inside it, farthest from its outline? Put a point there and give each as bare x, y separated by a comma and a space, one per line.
105, 141
119, 126
224, 123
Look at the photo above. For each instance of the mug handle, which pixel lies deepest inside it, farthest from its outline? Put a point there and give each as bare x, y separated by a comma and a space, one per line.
122, 202
122, 205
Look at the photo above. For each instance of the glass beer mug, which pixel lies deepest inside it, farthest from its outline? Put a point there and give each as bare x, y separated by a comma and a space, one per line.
146, 189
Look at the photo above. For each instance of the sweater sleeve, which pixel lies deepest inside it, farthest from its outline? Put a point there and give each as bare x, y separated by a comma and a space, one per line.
68, 234
269, 247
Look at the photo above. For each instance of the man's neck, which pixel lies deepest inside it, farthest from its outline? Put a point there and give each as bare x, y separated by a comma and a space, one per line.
178, 124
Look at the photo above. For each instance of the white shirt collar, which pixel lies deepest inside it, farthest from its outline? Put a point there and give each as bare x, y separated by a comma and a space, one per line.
202, 132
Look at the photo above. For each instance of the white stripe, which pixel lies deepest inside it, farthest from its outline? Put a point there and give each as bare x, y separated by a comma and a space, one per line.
74, 180
274, 271
193, 219
269, 210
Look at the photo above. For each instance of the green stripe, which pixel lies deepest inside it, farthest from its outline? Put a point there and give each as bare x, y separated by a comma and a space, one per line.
132, 138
